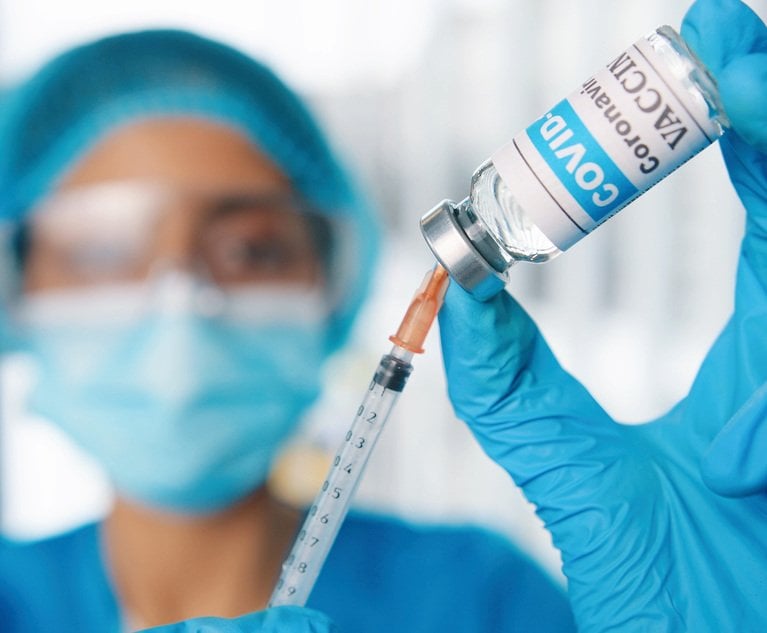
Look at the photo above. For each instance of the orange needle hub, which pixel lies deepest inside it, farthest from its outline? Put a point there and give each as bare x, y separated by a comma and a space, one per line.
422, 311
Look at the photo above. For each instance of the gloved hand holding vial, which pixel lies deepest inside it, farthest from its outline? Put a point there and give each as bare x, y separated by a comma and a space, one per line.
651, 109
661, 526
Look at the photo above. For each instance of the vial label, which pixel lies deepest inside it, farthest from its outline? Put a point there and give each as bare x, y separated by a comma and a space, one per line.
623, 130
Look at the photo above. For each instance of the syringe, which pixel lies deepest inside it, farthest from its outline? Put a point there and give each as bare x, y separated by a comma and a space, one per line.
327, 512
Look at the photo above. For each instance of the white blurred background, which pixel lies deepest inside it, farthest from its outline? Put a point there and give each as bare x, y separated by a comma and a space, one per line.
416, 94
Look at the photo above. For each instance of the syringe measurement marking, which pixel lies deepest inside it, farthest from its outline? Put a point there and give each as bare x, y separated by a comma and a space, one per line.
360, 443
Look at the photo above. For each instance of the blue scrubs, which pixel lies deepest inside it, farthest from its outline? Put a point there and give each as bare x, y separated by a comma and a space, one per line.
382, 575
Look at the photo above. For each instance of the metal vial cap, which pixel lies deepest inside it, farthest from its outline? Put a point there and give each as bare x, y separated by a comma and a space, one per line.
458, 254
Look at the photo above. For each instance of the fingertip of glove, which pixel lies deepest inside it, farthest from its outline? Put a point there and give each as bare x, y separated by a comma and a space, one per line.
482, 342
460, 302
459, 306
709, 25
462, 313
743, 87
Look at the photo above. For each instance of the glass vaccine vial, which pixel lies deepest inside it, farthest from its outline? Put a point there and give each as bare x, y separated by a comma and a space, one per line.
628, 126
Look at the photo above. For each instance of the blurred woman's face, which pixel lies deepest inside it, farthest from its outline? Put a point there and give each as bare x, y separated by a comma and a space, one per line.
174, 306
192, 194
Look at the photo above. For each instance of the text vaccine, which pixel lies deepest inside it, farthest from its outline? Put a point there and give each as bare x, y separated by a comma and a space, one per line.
625, 128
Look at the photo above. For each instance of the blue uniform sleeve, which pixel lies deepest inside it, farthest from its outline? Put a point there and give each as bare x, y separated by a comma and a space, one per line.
56, 585
530, 599
382, 575
385, 575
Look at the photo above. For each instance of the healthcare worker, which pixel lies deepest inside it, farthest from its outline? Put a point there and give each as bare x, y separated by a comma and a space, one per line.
663, 526
188, 253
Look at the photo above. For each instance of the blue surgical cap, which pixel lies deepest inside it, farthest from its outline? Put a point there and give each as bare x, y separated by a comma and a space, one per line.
52, 119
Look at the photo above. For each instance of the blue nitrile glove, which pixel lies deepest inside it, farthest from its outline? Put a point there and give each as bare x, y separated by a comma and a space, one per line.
649, 541
736, 462
277, 620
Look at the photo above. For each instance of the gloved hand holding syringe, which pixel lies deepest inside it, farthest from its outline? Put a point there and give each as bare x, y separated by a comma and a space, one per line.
327, 512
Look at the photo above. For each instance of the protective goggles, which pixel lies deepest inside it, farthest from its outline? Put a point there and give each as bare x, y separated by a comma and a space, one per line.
122, 232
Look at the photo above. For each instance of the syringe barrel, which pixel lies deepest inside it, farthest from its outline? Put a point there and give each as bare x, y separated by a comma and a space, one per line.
327, 512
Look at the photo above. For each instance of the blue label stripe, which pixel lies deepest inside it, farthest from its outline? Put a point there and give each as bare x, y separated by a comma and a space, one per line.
580, 162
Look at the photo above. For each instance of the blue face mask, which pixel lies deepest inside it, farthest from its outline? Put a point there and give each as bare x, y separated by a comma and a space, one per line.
184, 411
